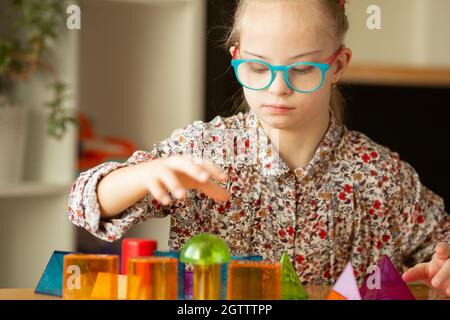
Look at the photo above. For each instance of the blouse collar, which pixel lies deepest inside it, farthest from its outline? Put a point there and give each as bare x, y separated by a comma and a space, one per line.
273, 166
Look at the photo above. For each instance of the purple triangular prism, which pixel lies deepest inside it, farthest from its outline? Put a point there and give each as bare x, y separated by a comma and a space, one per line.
391, 284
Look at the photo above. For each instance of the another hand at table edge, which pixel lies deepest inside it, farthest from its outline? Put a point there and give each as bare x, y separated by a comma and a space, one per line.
436, 273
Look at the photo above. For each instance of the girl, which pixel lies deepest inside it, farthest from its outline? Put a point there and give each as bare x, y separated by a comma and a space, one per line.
286, 175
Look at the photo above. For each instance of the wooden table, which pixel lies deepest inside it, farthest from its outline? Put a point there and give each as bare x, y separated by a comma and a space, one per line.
421, 292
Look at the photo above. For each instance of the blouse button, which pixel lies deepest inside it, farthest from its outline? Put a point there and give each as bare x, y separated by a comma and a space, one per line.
298, 172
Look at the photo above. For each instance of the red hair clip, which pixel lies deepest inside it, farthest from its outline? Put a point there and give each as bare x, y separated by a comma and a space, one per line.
342, 3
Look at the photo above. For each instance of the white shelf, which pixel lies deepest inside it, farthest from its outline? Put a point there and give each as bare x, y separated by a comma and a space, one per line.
32, 189
378, 74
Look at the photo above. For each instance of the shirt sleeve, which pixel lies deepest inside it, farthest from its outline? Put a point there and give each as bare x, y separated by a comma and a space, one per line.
83, 206
423, 222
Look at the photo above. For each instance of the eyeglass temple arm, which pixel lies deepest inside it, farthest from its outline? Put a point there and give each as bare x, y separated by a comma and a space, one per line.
236, 46
332, 60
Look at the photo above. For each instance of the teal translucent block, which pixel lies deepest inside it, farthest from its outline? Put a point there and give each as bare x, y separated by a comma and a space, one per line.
224, 272
175, 254
50, 282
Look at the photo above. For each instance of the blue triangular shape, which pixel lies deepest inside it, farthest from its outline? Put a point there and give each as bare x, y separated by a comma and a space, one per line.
52, 277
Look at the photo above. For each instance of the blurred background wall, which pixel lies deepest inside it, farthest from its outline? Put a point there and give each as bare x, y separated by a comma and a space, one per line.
411, 35
33, 219
140, 60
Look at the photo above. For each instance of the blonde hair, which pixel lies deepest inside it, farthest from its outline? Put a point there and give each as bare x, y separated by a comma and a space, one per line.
336, 23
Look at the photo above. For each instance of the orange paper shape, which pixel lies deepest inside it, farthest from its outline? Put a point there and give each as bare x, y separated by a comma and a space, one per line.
152, 278
254, 280
90, 276
335, 296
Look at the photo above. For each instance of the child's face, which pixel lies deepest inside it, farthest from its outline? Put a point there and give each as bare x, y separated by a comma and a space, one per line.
278, 33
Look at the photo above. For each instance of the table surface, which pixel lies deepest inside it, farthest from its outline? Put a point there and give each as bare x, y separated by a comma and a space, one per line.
421, 292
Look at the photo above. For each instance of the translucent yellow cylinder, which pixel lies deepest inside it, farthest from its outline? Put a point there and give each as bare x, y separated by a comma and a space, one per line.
152, 278
206, 282
254, 280
90, 276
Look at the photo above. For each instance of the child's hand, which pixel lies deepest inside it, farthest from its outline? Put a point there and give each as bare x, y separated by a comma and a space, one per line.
435, 273
179, 173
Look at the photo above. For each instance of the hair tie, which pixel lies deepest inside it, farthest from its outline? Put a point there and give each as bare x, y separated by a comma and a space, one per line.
342, 4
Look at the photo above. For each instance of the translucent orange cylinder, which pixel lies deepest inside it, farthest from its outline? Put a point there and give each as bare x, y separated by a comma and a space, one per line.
90, 276
254, 280
152, 278
207, 283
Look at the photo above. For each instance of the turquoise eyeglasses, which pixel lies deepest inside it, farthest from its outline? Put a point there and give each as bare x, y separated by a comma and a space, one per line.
303, 77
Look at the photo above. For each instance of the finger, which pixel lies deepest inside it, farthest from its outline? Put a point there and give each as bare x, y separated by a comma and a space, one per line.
441, 280
443, 251
216, 172
213, 169
199, 169
158, 192
418, 272
446, 289
172, 183
187, 166
194, 171
214, 191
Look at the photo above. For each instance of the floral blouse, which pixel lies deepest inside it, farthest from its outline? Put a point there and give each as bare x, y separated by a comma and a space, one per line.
355, 201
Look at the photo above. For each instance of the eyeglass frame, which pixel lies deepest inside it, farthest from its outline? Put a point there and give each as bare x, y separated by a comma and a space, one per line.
324, 68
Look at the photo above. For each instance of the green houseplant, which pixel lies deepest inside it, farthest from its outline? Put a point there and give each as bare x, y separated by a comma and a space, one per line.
28, 30
31, 25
